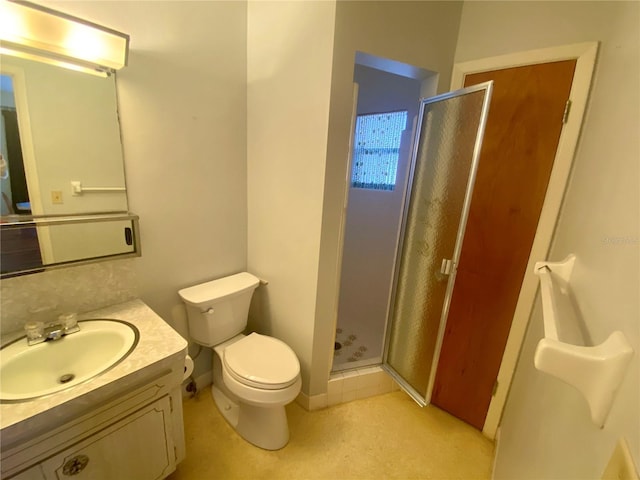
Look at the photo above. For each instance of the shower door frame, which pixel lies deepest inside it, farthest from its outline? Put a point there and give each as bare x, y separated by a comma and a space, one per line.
487, 86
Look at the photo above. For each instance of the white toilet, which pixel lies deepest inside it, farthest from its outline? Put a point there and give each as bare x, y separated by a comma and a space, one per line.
254, 376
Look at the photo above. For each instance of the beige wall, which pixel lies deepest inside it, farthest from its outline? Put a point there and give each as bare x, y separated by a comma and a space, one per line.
422, 34
183, 112
289, 48
546, 430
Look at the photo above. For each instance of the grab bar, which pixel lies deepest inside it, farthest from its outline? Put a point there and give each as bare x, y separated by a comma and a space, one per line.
596, 370
78, 189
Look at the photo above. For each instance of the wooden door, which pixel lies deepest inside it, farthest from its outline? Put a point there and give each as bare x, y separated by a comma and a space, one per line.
520, 143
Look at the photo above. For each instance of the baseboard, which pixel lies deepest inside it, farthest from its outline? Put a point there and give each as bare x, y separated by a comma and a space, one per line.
621, 465
495, 452
314, 402
342, 387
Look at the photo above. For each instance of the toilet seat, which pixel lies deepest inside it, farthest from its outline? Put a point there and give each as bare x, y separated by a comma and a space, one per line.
261, 362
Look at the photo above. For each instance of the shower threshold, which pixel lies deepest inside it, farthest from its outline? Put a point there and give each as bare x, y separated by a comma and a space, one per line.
366, 362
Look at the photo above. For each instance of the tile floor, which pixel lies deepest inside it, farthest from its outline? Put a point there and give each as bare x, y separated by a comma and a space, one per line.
386, 436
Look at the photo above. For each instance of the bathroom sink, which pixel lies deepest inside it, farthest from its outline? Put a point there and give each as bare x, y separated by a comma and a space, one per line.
28, 372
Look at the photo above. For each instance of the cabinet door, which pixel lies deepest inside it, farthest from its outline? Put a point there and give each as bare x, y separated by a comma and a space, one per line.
34, 473
139, 447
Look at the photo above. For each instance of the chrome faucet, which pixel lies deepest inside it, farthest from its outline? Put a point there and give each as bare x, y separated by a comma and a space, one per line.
38, 333
56, 333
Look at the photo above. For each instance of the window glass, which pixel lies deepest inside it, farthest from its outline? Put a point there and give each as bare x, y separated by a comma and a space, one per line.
376, 150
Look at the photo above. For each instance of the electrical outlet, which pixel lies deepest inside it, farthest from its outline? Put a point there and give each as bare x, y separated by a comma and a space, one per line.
56, 197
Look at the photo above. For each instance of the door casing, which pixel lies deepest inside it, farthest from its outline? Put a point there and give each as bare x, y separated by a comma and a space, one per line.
585, 55
28, 156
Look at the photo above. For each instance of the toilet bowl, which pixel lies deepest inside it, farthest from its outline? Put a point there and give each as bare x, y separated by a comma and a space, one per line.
252, 399
254, 376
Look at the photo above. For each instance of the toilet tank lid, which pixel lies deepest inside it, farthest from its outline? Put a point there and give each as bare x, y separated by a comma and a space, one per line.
218, 289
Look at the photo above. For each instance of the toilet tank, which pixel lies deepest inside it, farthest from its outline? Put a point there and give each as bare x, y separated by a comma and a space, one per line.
218, 310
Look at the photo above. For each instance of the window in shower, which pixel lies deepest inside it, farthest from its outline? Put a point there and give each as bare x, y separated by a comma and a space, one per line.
376, 150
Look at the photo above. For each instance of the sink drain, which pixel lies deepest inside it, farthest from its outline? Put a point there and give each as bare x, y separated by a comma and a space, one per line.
66, 378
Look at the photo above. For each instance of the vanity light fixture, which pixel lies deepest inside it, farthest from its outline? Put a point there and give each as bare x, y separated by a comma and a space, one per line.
31, 31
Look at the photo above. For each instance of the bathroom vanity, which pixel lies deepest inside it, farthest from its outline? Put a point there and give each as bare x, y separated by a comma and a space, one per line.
125, 423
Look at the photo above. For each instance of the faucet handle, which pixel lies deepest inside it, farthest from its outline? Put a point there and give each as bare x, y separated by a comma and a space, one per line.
34, 330
69, 322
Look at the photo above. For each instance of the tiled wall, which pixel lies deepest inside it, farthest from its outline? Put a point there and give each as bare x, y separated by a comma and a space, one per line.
360, 383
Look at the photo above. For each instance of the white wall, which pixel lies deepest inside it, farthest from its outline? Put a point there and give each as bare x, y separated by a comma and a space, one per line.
289, 48
422, 34
183, 112
546, 431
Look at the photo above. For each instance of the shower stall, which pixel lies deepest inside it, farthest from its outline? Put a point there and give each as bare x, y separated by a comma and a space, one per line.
386, 110
408, 203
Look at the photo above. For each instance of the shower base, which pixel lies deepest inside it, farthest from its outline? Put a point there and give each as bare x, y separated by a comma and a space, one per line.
355, 347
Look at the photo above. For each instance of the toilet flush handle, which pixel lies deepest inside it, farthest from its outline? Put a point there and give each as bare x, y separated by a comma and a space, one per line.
209, 311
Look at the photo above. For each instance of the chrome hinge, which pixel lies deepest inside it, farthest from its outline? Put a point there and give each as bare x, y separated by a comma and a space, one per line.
567, 109
495, 389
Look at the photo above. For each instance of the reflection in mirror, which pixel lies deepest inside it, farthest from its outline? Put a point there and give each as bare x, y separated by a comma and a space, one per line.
58, 126
33, 244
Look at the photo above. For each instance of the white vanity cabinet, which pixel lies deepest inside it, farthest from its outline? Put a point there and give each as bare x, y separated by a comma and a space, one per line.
139, 446
123, 424
136, 437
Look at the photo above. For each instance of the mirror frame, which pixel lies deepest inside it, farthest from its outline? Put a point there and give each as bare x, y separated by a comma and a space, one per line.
22, 221
45, 46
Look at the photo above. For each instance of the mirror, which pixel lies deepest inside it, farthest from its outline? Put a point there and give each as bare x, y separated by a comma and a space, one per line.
61, 161
59, 126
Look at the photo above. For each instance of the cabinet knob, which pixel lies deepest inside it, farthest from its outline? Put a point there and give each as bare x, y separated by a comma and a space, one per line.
75, 465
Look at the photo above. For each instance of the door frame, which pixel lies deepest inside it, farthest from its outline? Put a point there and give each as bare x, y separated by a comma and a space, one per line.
28, 156
585, 55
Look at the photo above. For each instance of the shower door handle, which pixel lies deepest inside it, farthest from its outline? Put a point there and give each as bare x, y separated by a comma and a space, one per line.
445, 268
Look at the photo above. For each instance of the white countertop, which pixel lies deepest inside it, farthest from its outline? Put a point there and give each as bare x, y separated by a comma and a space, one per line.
159, 345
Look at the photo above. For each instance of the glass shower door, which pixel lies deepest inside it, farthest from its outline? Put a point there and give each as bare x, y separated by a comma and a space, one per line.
444, 164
